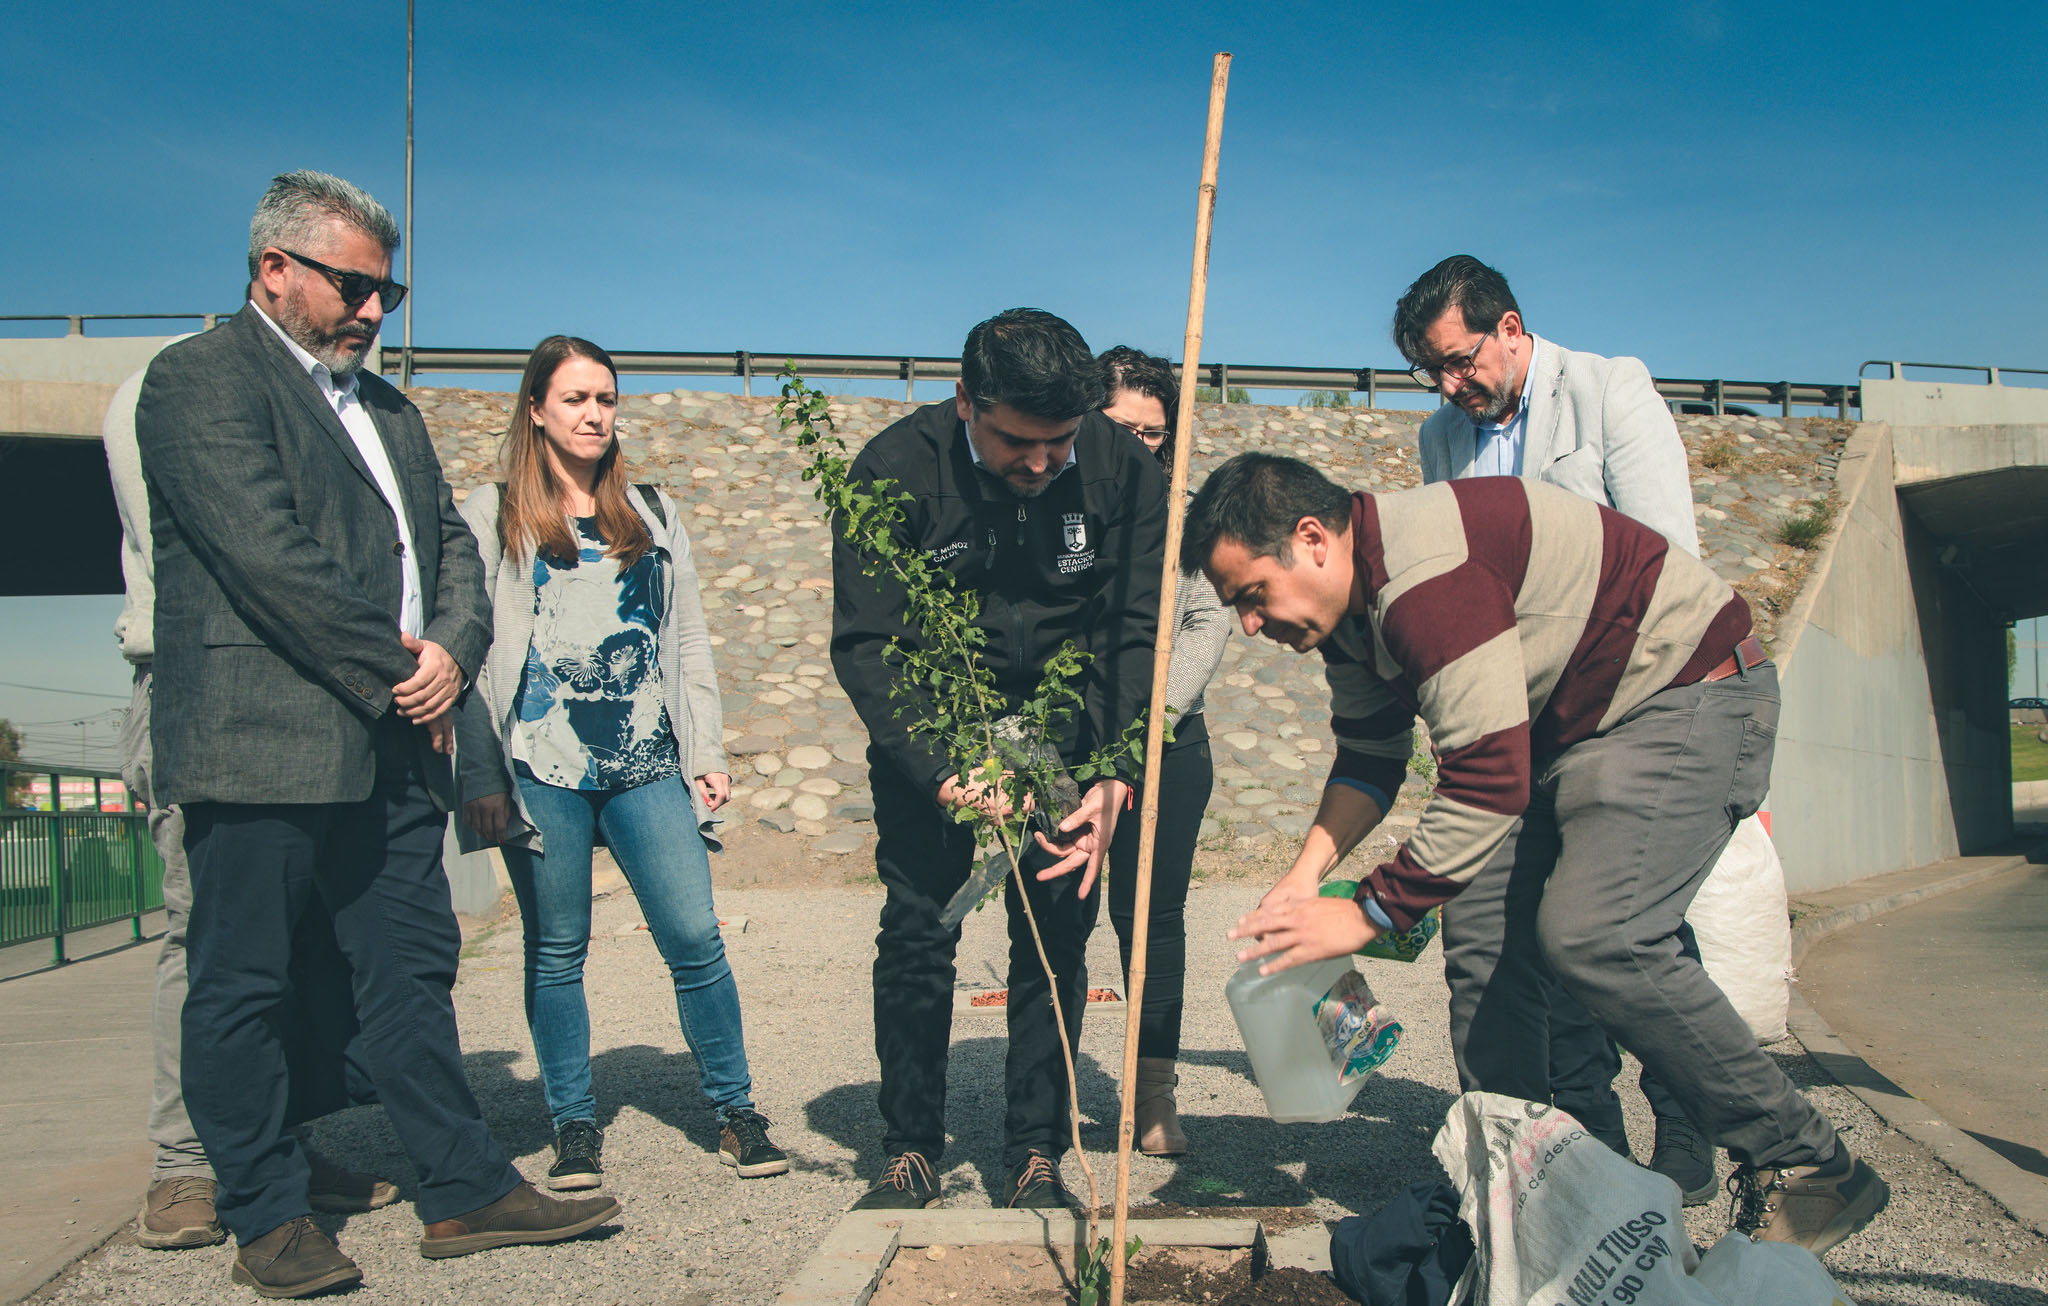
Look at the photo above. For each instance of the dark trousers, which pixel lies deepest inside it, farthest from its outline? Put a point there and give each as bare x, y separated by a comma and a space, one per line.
1591, 889
376, 867
1186, 775
922, 856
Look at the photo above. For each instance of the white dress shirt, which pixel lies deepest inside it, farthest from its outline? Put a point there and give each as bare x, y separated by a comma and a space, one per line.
1498, 445
355, 419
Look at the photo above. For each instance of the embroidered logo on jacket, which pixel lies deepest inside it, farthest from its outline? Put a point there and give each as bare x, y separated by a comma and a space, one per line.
1077, 531
1078, 557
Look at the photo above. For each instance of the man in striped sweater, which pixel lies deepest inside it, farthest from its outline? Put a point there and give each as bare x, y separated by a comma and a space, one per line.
1603, 716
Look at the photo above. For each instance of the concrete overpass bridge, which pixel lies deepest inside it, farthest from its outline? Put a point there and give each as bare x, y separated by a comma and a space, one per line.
1893, 749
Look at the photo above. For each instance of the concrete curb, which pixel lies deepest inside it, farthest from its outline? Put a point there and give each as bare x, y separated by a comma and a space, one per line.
1816, 928
2022, 1195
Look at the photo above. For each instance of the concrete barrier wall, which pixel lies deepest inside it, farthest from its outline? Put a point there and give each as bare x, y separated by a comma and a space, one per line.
1886, 759
1905, 402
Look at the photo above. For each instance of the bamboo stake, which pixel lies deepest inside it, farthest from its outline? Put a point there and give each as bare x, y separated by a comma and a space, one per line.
1148, 819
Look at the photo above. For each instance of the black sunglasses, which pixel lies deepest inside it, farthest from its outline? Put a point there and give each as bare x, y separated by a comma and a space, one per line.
354, 287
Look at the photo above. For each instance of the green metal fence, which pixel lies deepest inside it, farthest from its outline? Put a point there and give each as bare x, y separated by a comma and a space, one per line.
62, 872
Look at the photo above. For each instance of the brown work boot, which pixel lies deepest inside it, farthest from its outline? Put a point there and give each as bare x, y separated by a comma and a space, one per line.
178, 1212
1154, 1115
293, 1260
334, 1187
1815, 1206
524, 1215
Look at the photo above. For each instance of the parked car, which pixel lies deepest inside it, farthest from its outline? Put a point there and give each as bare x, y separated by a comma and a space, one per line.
2023, 704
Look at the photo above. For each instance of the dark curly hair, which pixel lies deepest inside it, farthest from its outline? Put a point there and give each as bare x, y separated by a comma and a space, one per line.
1125, 368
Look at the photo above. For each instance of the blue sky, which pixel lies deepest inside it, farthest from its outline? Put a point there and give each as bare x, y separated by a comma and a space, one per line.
1745, 190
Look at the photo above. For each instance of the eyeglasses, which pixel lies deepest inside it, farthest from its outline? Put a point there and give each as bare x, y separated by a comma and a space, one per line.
1458, 369
1149, 434
354, 287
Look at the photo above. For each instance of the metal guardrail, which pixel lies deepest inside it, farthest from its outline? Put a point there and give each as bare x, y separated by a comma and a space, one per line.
75, 322
62, 872
1372, 382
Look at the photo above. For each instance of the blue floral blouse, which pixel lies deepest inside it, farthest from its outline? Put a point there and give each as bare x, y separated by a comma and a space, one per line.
589, 713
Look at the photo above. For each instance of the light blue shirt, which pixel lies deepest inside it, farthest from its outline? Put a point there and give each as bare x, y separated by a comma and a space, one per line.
1497, 448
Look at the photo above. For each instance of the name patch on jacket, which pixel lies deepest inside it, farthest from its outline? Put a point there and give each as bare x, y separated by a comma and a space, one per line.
1078, 557
947, 552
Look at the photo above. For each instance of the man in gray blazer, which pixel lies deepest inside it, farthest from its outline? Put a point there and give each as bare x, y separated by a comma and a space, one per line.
318, 612
1516, 404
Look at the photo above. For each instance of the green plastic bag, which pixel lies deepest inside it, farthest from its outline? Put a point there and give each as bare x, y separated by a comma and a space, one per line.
1401, 945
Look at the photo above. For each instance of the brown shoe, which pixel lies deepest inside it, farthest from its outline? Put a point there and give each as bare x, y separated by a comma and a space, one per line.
294, 1260
1155, 1116
178, 1212
333, 1187
524, 1215
1815, 1206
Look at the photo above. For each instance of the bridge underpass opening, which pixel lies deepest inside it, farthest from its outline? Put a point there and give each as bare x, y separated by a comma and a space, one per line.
59, 529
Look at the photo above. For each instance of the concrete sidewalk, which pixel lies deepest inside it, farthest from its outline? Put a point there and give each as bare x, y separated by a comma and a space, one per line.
75, 1067
1943, 999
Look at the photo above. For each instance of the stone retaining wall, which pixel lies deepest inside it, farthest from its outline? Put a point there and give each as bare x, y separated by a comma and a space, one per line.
764, 562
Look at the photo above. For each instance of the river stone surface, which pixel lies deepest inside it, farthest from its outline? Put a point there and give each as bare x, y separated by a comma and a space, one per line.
764, 565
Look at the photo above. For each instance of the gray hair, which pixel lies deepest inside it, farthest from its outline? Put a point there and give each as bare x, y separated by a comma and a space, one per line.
298, 204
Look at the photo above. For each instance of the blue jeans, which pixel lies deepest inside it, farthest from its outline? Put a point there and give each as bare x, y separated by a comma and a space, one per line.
652, 833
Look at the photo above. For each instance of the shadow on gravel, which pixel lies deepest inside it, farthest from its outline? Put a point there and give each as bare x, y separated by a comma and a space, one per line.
1870, 1288
662, 1084
849, 1115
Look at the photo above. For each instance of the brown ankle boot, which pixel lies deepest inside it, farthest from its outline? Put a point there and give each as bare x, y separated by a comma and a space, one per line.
1155, 1120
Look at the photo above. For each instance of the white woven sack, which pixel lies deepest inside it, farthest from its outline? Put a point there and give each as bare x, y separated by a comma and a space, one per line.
1558, 1219
1739, 917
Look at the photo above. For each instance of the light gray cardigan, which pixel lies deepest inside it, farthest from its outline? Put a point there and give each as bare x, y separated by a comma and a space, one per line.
689, 685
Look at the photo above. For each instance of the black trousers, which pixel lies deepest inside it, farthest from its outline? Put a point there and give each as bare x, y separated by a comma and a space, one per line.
1186, 776
376, 867
922, 857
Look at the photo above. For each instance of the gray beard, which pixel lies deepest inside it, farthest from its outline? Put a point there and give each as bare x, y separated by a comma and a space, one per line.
325, 347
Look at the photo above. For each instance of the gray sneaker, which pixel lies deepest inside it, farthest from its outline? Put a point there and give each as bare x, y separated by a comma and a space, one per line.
178, 1212
1815, 1206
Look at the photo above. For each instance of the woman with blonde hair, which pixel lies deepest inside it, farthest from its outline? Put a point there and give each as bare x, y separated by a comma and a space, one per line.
597, 714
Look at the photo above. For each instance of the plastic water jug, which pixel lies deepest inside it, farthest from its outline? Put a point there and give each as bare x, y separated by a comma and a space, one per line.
1314, 1033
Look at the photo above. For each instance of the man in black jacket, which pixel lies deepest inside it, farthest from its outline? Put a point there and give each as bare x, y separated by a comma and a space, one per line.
1057, 521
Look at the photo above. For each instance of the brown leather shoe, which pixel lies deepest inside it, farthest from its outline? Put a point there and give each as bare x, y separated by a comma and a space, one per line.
524, 1215
334, 1187
178, 1212
294, 1260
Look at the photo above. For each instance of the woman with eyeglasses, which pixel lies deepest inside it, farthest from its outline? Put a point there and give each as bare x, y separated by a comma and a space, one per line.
1144, 399
597, 714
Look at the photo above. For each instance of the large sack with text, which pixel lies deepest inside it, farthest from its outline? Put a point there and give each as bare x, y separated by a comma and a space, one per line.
1745, 936
1558, 1219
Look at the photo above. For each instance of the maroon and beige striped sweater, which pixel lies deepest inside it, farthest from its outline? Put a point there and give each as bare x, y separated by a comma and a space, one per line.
1516, 619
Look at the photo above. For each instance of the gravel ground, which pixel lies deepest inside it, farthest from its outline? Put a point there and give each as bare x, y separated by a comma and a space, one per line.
692, 1233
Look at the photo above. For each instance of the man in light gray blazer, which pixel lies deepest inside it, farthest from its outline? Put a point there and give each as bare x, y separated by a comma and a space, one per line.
319, 609
1516, 404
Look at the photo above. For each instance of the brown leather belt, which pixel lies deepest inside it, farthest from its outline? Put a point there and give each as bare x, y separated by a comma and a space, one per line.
1747, 654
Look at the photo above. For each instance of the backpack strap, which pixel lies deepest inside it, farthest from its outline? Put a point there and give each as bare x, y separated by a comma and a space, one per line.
652, 499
